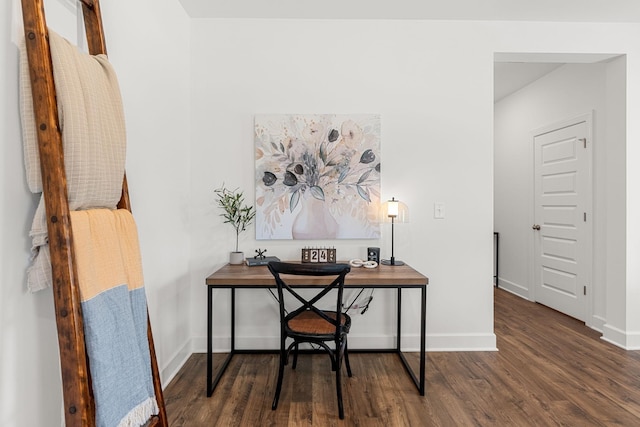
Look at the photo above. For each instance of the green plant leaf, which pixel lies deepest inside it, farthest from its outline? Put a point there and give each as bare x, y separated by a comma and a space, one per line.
343, 174
364, 193
317, 192
364, 176
235, 212
293, 201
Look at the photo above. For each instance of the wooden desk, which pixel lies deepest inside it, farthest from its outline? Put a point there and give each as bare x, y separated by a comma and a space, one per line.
243, 277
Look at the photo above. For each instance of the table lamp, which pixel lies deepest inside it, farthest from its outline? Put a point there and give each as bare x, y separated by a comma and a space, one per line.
395, 211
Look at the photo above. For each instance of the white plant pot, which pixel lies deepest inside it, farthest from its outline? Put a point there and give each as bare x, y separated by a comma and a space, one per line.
236, 258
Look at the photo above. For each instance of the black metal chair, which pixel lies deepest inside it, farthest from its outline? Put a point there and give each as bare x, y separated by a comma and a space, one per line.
309, 324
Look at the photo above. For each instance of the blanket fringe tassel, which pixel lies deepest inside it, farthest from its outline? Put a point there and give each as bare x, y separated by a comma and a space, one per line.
139, 415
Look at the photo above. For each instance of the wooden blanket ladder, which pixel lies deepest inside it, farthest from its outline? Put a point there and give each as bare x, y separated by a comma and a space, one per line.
79, 407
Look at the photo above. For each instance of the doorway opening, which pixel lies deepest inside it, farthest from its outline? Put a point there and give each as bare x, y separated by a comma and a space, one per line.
537, 90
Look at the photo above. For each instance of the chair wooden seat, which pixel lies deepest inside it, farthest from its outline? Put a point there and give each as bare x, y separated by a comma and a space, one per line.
310, 323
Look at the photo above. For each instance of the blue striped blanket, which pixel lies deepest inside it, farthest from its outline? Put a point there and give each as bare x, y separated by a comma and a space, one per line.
114, 310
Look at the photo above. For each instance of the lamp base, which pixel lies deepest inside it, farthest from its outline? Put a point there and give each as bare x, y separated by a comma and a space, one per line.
391, 262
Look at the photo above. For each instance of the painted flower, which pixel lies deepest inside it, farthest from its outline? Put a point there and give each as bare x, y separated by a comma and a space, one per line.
351, 133
269, 179
367, 157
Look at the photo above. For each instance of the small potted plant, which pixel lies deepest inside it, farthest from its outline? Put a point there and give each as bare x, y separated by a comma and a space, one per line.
235, 213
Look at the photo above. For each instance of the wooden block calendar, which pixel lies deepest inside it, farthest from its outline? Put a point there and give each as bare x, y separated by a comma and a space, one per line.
319, 255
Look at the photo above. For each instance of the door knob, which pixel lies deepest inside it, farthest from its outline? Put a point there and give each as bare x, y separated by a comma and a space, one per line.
536, 227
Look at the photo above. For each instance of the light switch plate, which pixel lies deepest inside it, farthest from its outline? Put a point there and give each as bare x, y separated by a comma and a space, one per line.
438, 210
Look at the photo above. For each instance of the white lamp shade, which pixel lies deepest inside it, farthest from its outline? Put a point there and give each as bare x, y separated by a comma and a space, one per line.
394, 209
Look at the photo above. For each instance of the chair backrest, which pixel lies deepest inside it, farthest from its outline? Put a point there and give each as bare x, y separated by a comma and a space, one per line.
338, 270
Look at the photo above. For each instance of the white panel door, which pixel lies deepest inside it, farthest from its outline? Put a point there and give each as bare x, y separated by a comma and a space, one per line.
562, 235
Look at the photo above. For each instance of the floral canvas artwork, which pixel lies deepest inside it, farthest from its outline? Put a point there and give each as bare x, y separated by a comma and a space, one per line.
317, 176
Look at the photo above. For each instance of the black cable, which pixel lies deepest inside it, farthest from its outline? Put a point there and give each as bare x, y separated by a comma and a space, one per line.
276, 298
364, 309
354, 301
366, 306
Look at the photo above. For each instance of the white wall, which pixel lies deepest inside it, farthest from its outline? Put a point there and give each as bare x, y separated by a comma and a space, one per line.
617, 283
565, 93
148, 43
432, 84
434, 100
153, 66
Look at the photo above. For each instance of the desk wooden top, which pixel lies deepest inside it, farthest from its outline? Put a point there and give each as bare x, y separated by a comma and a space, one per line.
383, 276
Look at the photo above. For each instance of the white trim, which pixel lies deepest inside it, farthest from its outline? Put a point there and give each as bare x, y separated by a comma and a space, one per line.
624, 339
514, 288
461, 342
170, 369
633, 341
597, 323
410, 343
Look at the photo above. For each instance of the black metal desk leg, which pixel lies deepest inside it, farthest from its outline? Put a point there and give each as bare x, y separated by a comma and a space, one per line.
209, 340
418, 381
233, 320
399, 321
423, 338
211, 385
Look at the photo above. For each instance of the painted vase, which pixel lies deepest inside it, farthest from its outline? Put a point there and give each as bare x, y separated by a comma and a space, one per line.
314, 221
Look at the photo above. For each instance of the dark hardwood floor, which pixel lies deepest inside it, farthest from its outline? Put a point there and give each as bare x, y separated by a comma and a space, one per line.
550, 370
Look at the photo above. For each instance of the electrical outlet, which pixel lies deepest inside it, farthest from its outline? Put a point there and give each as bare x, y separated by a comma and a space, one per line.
438, 210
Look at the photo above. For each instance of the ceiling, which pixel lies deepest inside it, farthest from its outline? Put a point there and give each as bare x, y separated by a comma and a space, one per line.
509, 77
510, 10
513, 71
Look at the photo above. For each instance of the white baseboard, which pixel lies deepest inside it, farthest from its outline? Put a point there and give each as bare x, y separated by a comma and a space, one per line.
170, 369
461, 342
514, 288
633, 341
410, 343
597, 323
223, 344
620, 338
